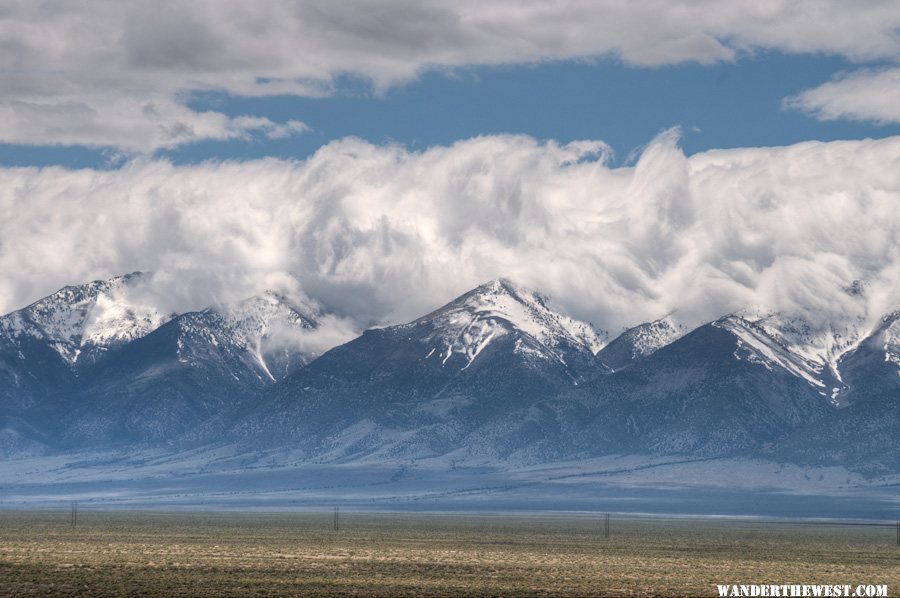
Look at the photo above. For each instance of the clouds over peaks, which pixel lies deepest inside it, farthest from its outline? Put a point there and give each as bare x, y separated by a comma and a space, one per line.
381, 234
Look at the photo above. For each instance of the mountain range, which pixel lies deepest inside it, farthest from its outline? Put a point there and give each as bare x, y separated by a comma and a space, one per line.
498, 375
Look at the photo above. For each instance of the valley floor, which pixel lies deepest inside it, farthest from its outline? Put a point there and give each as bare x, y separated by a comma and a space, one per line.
227, 478
112, 553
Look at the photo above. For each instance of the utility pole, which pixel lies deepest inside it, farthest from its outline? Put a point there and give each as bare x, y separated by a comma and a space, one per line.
606, 526
73, 517
337, 514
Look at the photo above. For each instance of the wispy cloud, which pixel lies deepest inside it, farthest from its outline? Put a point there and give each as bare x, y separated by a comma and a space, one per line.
131, 125
866, 95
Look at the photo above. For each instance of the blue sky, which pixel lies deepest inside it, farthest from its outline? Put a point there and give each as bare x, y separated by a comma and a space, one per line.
720, 106
725, 105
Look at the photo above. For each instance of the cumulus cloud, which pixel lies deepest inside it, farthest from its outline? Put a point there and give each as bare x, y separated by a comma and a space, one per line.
867, 95
116, 74
381, 234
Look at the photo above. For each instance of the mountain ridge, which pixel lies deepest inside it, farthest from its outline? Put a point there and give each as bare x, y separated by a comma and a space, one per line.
497, 373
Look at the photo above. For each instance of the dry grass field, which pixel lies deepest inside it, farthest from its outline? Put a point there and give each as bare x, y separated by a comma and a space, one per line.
238, 554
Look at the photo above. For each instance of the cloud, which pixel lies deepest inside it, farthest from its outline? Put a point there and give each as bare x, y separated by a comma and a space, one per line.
116, 74
866, 95
331, 331
381, 234
129, 124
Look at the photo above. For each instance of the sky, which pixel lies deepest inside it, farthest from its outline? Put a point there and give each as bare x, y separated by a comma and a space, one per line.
629, 159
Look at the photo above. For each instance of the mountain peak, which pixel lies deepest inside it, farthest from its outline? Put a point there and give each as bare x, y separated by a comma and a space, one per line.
271, 328
500, 285
86, 318
642, 340
267, 317
494, 290
83, 293
270, 305
469, 323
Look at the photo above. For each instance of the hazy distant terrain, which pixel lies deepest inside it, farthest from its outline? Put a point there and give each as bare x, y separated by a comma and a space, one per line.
631, 484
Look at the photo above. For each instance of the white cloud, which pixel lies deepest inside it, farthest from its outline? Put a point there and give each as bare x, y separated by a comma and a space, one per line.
86, 72
867, 95
129, 124
382, 235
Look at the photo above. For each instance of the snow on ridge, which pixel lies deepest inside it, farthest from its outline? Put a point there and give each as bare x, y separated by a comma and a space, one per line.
116, 319
267, 329
887, 338
822, 344
891, 340
265, 321
92, 316
255, 317
528, 311
646, 339
471, 322
763, 344
96, 316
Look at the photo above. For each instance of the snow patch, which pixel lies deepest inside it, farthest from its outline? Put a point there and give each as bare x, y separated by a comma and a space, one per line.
762, 348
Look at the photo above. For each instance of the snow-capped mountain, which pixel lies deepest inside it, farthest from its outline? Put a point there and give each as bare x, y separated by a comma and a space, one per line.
462, 329
824, 344
82, 322
641, 340
783, 340
263, 332
193, 372
758, 381
887, 336
821, 344
722, 389
773, 340
872, 368
496, 375
761, 342
88, 364
863, 434
440, 382
43, 345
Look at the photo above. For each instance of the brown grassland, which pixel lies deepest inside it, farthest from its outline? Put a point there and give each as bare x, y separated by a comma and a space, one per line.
257, 554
